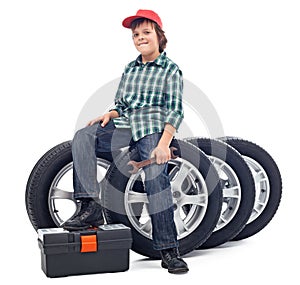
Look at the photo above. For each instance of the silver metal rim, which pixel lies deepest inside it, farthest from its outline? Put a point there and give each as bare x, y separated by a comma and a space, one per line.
232, 192
61, 202
190, 198
262, 188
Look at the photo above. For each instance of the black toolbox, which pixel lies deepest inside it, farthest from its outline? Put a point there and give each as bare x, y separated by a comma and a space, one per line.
104, 249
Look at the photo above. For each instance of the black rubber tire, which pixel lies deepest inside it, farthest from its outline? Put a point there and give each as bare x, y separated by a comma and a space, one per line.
113, 200
228, 154
257, 153
40, 180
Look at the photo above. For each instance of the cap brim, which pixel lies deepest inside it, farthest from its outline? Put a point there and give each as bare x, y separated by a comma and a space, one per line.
127, 22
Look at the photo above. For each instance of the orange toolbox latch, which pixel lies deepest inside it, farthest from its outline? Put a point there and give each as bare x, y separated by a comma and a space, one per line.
88, 243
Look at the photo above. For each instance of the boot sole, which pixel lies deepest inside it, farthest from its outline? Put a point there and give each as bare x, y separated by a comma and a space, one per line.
96, 224
176, 270
76, 228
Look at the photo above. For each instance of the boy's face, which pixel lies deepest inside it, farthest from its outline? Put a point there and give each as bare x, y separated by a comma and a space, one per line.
146, 41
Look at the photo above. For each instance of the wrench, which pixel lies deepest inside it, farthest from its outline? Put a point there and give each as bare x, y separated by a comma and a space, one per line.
137, 165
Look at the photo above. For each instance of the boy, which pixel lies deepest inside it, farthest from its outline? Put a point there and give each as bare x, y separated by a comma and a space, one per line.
147, 112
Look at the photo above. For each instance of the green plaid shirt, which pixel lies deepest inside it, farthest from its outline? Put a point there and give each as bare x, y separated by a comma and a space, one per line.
149, 96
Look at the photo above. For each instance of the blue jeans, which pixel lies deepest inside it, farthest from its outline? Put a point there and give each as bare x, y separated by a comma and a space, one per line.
93, 141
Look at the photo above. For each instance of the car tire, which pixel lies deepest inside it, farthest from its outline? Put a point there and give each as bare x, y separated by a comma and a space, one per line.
238, 189
119, 185
45, 200
268, 185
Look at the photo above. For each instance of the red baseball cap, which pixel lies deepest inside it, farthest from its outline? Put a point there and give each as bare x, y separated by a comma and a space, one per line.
148, 14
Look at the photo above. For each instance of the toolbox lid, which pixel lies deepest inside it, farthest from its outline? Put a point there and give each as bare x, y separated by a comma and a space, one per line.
58, 240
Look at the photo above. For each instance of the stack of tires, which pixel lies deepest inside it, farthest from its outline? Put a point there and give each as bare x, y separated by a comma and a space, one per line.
223, 189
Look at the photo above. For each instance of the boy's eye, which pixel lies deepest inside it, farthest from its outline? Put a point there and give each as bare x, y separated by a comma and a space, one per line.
135, 35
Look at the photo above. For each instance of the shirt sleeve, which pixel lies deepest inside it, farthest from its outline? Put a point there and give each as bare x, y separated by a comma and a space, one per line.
119, 105
173, 97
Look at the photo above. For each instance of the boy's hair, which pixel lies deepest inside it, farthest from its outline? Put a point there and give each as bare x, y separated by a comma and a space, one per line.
162, 40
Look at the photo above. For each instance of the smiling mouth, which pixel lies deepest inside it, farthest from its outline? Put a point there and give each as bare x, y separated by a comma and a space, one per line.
142, 44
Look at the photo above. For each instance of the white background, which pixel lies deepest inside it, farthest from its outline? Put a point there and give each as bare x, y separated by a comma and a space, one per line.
244, 55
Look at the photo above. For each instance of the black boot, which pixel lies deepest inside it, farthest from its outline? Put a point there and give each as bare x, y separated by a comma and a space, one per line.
171, 260
90, 215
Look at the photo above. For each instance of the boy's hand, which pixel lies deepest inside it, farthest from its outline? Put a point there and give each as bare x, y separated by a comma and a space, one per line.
104, 118
162, 154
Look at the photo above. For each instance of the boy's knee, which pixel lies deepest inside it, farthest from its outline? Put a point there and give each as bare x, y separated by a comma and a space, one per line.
86, 132
83, 138
79, 137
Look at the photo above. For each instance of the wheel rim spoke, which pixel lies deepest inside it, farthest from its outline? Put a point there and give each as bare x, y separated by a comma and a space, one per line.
181, 175
199, 199
231, 192
147, 227
58, 193
179, 222
136, 197
218, 164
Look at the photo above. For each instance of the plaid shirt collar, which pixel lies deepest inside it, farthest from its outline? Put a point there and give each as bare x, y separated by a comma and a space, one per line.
159, 61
